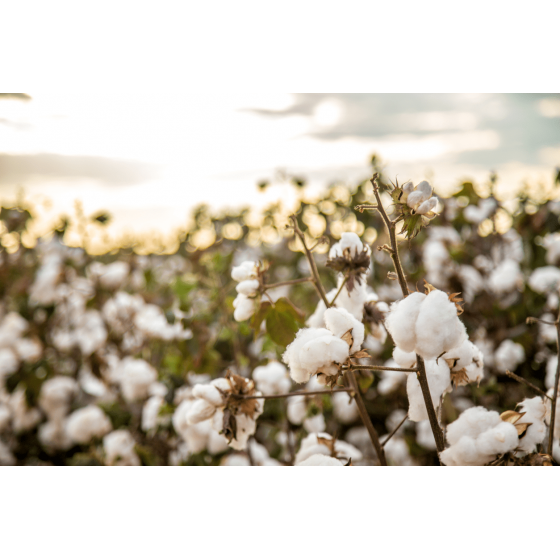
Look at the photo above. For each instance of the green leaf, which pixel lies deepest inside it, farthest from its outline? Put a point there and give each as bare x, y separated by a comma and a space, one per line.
365, 380
281, 326
284, 305
260, 316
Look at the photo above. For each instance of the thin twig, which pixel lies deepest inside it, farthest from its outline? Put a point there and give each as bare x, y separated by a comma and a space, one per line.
364, 415
296, 394
555, 394
339, 291
316, 279
287, 283
528, 383
379, 368
394, 431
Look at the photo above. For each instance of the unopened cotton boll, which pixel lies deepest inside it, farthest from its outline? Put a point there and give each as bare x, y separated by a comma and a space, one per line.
119, 449
86, 423
245, 271
321, 461
438, 328
535, 414
272, 379
508, 356
439, 380
401, 319
545, 280
339, 322
244, 308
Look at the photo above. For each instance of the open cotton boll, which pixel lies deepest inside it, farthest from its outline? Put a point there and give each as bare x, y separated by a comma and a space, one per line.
535, 414
397, 452
200, 410
345, 408
506, 277
119, 449
209, 393
315, 424
475, 370
245, 271
297, 409
348, 240
472, 422
56, 396
244, 308
340, 321
401, 319
248, 287
508, 355
438, 329
246, 427
391, 380
425, 435
545, 280
353, 301
439, 380
404, 359
323, 351
551, 367
86, 423
272, 379
135, 378
427, 206
320, 461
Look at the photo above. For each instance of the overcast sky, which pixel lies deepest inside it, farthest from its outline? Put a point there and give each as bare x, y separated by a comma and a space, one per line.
147, 159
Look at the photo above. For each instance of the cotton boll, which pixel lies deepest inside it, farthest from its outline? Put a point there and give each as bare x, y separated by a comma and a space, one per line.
114, 275
244, 308
391, 380
427, 206
473, 422
24, 418
135, 378
246, 427
323, 351
297, 409
315, 424
9, 362
535, 413
345, 408
151, 417
509, 355
545, 280
12, 328
201, 410
53, 436
311, 446
439, 380
348, 240
438, 329
321, 461
248, 287
245, 271
397, 452
56, 396
463, 355
404, 359
551, 368
210, 393
506, 277
497, 441
272, 379
475, 370
28, 350
425, 435
339, 322
86, 423
119, 449
401, 319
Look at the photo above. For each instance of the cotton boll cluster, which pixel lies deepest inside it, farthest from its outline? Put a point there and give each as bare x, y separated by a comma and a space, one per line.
545, 280
324, 444
119, 449
477, 437
534, 413
223, 401
508, 355
272, 379
420, 198
321, 352
110, 276
426, 324
87, 423
247, 275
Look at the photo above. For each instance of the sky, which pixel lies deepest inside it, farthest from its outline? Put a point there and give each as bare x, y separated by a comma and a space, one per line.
149, 158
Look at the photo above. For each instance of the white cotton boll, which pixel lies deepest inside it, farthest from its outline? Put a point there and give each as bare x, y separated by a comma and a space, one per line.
272, 379
472, 422
438, 329
209, 393
315, 424
114, 275
217, 443
86, 423
311, 446
345, 408
408, 187
551, 368
151, 417
297, 409
56, 396
339, 322
7, 458
348, 240
463, 355
404, 359
246, 427
353, 301
12, 327
9, 362
323, 352
248, 287
321, 461
497, 441
244, 308
535, 413
506, 277
427, 206
439, 380
119, 449
475, 370
245, 271
90, 333
401, 319
425, 435
135, 378
391, 380
551, 242
415, 199
508, 355
53, 436
28, 350
545, 279
201, 410
397, 452
260, 456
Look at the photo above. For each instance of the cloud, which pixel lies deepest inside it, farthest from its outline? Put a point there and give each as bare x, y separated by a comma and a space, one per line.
22, 169
20, 96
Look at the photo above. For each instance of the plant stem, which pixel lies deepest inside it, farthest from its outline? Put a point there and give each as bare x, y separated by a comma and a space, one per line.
555, 394
394, 431
528, 383
379, 368
316, 279
422, 377
339, 291
296, 394
287, 283
364, 415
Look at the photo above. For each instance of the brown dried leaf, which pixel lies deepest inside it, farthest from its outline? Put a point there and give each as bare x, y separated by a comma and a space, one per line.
348, 338
361, 354
453, 298
511, 416
522, 429
451, 362
460, 377
428, 287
